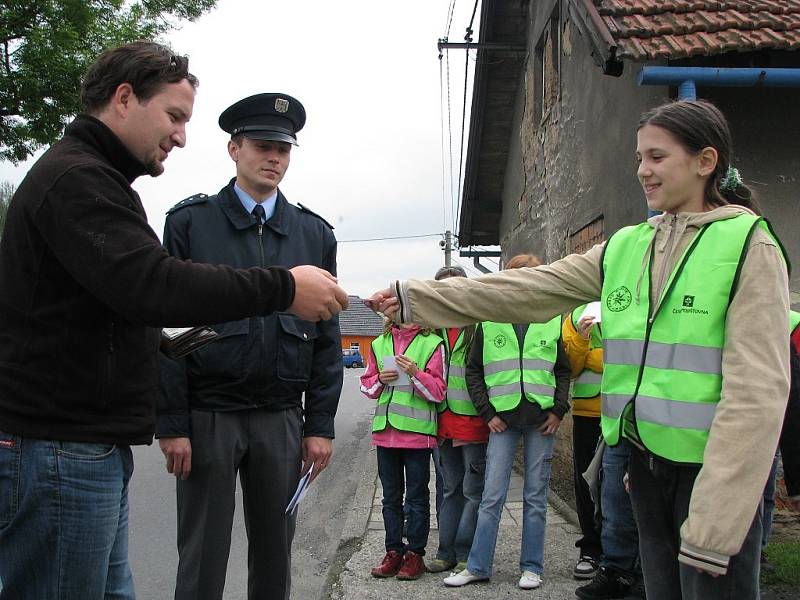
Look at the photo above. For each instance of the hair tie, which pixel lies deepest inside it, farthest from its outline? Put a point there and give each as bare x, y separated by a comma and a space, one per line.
731, 181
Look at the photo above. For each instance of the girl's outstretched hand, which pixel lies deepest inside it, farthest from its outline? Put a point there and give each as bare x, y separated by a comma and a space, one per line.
408, 365
383, 301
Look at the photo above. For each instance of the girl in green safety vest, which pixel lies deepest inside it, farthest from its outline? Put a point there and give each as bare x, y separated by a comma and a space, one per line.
518, 378
463, 435
696, 371
405, 374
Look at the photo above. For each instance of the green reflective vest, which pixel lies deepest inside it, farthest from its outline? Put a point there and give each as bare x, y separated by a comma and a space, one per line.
402, 406
794, 321
664, 372
587, 383
457, 399
511, 372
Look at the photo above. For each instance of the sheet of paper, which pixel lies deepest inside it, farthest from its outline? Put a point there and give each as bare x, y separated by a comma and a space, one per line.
390, 364
592, 310
300, 492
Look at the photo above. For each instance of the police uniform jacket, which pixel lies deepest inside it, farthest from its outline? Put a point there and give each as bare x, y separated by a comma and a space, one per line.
268, 361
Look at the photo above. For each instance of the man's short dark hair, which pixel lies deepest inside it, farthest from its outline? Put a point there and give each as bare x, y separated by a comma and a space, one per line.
146, 66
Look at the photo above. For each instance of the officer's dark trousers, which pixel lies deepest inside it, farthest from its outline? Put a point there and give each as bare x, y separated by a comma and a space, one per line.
660, 497
264, 448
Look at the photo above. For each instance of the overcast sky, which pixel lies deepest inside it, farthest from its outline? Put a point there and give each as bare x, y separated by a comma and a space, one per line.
370, 155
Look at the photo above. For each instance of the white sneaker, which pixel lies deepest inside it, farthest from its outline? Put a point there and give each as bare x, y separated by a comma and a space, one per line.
529, 580
462, 578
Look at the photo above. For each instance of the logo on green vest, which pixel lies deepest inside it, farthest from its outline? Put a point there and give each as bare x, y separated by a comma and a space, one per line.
619, 299
688, 307
499, 340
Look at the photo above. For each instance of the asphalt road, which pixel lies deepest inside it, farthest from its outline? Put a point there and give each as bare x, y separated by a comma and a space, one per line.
152, 521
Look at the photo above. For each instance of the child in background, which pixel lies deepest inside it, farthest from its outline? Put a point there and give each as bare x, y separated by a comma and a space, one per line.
584, 347
404, 431
518, 379
463, 436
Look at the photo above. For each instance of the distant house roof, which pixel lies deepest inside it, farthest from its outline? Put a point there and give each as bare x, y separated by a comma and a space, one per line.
359, 320
671, 29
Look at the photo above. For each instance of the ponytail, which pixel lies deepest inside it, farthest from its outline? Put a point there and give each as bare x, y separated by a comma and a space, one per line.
725, 186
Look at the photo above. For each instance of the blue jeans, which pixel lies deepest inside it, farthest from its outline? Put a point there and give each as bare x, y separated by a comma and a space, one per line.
437, 466
538, 453
64, 520
618, 535
463, 469
404, 469
769, 502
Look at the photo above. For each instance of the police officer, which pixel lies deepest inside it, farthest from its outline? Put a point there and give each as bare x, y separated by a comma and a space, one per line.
235, 406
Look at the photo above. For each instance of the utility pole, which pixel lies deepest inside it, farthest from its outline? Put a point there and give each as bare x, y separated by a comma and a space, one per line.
448, 246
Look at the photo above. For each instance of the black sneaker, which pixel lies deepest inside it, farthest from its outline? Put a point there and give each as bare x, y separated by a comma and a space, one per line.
606, 584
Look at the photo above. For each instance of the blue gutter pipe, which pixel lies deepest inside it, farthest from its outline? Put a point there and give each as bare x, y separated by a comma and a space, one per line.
719, 77
688, 78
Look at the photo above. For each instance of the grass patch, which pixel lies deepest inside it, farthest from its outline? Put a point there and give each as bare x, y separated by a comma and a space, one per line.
785, 557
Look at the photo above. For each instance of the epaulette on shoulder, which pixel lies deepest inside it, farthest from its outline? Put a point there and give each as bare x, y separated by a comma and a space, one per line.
313, 214
191, 200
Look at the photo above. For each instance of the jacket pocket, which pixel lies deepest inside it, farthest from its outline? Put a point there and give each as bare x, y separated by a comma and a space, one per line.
10, 464
295, 348
224, 357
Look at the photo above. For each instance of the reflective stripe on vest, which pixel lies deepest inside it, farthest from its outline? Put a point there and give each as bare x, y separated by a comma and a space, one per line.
402, 406
667, 369
457, 398
587, 383
510, 371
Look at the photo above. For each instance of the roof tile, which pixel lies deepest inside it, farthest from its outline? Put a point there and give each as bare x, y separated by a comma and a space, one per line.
669, 29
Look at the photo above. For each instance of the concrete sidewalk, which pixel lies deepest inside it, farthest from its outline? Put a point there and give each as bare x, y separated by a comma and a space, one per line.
362, 548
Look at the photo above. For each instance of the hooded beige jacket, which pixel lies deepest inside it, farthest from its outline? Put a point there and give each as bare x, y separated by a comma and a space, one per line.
755, 361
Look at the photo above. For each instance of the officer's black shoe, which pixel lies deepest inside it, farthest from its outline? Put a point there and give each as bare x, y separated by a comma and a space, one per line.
606, 585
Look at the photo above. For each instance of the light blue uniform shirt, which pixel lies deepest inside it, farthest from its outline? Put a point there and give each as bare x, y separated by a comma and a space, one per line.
249, 204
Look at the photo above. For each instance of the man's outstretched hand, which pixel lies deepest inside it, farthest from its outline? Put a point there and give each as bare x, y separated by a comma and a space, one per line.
316, 295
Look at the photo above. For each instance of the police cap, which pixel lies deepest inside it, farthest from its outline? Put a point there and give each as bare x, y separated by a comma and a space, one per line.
276, 117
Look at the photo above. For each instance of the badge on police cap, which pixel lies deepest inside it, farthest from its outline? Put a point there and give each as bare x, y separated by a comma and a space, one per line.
276, 117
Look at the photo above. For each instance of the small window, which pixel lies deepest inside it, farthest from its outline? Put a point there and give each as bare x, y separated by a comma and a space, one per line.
586, 237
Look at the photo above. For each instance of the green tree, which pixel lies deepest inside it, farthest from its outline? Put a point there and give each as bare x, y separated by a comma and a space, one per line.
6, 191
46, 46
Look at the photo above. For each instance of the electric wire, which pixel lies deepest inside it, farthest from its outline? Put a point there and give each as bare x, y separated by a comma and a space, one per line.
450, 11
398, 237
467, 38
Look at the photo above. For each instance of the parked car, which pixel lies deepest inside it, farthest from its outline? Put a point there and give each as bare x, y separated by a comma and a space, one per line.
351, 357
